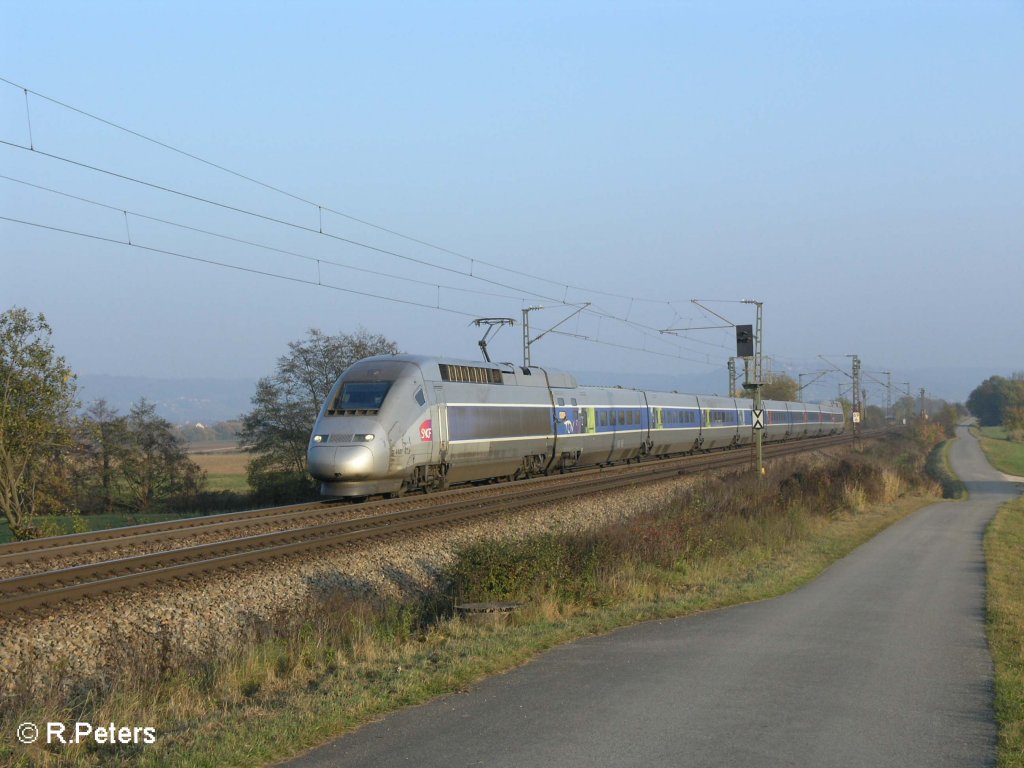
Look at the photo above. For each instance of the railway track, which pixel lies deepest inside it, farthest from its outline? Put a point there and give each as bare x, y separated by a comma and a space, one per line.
303, 528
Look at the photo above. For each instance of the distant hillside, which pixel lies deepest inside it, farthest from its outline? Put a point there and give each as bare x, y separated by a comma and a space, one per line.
182, 401
177, 400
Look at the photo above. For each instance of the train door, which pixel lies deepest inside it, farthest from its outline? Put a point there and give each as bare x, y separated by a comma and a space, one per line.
440, 427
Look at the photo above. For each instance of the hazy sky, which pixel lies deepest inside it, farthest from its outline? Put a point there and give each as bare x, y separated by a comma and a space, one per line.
858, 167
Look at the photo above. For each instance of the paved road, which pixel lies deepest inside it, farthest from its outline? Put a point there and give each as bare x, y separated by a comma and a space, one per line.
881, 661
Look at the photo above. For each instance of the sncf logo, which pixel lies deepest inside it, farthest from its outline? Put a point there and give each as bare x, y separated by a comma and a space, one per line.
426, 431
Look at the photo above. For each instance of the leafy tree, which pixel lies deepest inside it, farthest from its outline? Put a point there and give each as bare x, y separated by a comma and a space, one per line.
154, 466
37, 392
781, 387
1013, 423
287, 402
995, 397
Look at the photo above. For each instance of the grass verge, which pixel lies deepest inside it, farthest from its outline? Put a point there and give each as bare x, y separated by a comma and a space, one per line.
720, 542
1004, 552
1002, 453
940, 468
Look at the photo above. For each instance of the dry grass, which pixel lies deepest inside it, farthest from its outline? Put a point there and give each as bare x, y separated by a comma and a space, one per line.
228, 463
225, 470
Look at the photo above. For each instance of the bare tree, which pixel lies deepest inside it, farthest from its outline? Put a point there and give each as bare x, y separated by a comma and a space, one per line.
101, 442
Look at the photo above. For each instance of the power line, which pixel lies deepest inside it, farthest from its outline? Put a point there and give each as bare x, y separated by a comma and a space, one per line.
253, 244
301, 199
594, 340
597, 311
292, 225
318, 284
299, 227
250, 270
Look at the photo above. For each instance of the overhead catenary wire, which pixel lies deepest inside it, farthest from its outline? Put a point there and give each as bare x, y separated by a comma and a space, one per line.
474, 274
307, 201
597, 311
316, 231
254, 244
237, 267
317, 283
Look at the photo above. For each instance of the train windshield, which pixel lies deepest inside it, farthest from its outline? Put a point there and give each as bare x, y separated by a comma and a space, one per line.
361, 395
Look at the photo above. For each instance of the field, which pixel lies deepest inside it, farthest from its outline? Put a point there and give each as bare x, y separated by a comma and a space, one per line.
1004, 455
224, 465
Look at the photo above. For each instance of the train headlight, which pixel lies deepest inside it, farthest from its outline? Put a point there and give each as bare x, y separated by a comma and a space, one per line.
362, 438
321, 438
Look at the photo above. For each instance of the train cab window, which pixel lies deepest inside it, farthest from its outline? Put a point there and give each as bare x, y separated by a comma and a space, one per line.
361, 396
420, 399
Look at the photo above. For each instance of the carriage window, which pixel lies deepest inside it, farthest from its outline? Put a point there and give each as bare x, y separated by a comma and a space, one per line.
561, 401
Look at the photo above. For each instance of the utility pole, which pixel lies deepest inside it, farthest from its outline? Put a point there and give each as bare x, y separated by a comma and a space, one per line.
801, 386
856, 397
527, 341
749, 340
732, 377
756, 384
526, 334
921, 412
889, 417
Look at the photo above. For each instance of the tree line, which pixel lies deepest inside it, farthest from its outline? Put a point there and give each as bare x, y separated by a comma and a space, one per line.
55, 460
999, 401
57, 457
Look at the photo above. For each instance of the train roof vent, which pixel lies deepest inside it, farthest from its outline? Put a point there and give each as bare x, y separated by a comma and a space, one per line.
470, 374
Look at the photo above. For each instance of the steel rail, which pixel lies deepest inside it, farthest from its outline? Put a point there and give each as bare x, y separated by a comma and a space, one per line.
164, 526
91, 543
42, 589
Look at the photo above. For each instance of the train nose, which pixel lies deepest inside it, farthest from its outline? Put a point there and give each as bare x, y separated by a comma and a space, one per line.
350, 462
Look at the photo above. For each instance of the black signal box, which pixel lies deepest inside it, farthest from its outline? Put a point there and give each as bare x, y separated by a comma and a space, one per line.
744, 341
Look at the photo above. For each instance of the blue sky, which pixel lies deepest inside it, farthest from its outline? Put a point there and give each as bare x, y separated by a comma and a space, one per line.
858, 167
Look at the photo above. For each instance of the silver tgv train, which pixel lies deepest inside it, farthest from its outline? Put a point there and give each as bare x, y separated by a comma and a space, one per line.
397, 423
